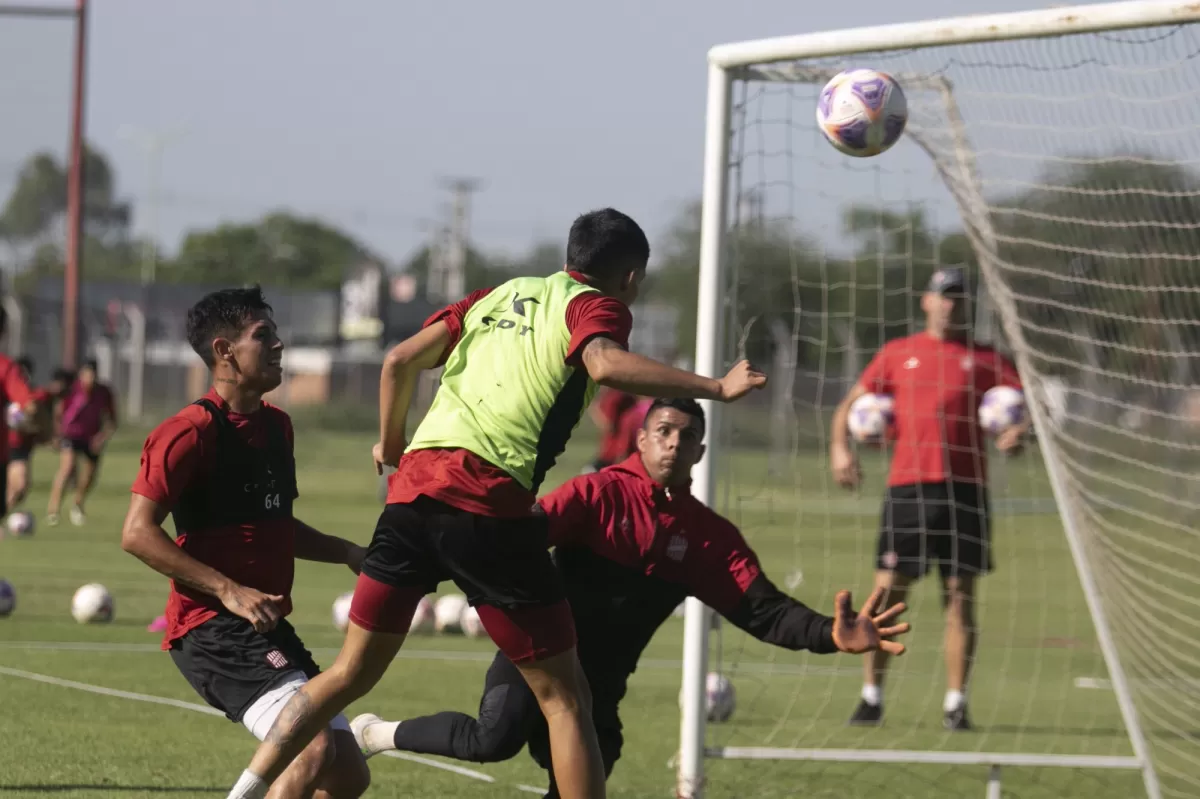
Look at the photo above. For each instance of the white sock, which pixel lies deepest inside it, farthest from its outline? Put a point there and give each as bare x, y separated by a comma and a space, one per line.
381, 736
872, 695
249, 786
954, 700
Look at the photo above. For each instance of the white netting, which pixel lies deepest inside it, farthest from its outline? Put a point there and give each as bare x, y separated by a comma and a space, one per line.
1076, 173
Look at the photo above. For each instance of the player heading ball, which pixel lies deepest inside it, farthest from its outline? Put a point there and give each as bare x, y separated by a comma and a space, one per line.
522, 361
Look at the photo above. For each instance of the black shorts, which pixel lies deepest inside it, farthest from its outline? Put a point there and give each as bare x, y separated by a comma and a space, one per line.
19, 454
231, 665
925, 522
82, 446
504, 563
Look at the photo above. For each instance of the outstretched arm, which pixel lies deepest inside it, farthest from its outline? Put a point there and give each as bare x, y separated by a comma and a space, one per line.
611, 365
775, 618
312, 544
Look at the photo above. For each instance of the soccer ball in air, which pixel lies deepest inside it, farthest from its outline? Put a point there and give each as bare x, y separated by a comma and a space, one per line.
92, 604
447, 613
471, 624
719, 697
422, 618
8, 598
341, 611
1001, 408
862, 112
15, 415
20, 523
871, 415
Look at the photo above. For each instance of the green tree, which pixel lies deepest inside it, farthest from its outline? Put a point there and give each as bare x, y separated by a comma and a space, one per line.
279, 249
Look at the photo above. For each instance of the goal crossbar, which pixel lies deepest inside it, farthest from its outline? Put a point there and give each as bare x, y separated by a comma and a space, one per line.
762, 60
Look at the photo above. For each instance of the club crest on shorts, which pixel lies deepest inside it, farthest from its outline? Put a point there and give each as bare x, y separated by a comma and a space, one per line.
277, 659
890, 560
677, 547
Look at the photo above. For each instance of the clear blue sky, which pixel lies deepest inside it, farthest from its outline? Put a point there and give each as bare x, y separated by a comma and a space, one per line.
353, 110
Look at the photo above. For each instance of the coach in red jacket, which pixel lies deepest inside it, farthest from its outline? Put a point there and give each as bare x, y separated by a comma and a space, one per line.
632, 543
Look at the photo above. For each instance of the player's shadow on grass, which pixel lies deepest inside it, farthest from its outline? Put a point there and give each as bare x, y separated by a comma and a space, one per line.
111, 787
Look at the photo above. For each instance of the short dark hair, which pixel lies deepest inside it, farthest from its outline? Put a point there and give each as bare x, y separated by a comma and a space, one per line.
605, 243
26, 363
90, 363
63, 375
688, 406
222, 313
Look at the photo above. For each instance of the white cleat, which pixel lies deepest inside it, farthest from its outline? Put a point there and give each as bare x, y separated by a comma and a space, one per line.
77, 516
361, 726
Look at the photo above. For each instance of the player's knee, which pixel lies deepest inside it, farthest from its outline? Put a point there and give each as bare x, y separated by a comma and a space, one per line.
559, 685
496, 744
348, 776
315, 760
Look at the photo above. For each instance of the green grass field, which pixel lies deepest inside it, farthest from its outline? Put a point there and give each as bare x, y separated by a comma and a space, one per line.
1037, 641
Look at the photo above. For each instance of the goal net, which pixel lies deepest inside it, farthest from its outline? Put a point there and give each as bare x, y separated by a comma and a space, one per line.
1056, 156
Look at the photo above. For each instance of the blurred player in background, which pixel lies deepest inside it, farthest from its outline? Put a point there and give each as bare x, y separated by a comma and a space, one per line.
632, 542
87, 421
522, 363
606, 413
936, 508
21, 441
15, 395
225, 469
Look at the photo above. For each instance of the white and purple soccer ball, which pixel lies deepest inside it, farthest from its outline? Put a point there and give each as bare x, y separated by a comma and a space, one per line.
20, 523
719, 697
1001, 408
92, 604
8, 598
14, 414
470, 623
341, 611
448, 612
862, 112
422, 620
871, 416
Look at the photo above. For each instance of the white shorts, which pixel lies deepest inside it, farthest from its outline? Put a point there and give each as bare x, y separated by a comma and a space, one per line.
259, 717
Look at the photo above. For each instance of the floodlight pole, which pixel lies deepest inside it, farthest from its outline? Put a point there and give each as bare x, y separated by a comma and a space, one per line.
72, 278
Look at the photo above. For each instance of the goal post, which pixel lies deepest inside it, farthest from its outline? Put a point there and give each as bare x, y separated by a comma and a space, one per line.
1098, 471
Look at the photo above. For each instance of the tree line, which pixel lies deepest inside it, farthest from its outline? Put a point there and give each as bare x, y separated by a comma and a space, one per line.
1102, 248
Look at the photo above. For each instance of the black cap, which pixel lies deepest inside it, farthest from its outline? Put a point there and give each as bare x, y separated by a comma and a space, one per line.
950, 281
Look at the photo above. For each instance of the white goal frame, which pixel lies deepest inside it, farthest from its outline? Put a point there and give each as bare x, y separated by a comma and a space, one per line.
753, 59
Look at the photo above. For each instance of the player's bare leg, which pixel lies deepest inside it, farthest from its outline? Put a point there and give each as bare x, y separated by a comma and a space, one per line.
363, 660
347, 776
563, 695
84, 480
958, 599
870, 709
66, 468
299, 780
18, 482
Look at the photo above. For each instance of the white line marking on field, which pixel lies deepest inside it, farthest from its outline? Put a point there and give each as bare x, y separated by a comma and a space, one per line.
1099, 683
531, 789
179, 703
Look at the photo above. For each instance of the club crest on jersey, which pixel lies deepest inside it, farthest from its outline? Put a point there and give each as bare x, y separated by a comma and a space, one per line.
277, 659
912, 363
677, 547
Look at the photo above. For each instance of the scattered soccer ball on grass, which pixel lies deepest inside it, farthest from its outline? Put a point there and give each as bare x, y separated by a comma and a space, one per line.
447, 613
871, 416
20, 523
422, 619
341, 611
1001, 408
8, 598
92, 604
862, 112
470, 623
719, 697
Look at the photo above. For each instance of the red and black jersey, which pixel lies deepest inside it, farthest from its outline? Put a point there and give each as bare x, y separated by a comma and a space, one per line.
630, 550
937, 386
230, 481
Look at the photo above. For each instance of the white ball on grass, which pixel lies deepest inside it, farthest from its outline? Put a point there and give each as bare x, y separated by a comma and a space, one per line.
92, 604
719, 697
20, 523
1001, 408
422, 619
470, 623
8, 598
341, 611
447, 613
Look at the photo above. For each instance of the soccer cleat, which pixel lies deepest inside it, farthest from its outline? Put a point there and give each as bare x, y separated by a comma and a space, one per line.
77, 516
52, 519
867, 715
360, 726
957, 720
159, 625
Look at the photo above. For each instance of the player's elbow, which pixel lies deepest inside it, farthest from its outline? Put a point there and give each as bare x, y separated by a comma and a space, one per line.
135, 536
603, 366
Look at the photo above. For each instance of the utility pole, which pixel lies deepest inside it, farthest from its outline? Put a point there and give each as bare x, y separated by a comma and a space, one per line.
152, 142
448, 259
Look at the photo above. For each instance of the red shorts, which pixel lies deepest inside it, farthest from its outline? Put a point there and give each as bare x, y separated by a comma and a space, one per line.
502, 565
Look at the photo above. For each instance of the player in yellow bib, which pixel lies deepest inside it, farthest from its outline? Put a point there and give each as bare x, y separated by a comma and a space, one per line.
522, 362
